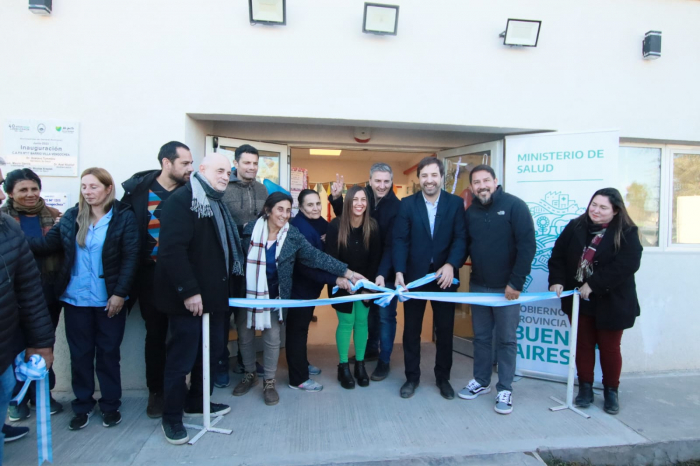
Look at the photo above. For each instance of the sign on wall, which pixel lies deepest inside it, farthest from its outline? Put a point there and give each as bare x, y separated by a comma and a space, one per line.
555, 174
48, 147
58, 201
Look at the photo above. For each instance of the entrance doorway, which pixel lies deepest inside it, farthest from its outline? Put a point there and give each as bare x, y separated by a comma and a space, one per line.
459, 163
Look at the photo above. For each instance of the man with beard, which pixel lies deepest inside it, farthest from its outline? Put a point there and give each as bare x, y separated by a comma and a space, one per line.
200, 255
501, 243
147, 192
429, 237
383, 206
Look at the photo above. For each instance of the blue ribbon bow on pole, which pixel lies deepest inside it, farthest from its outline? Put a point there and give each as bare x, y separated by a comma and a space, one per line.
27, 372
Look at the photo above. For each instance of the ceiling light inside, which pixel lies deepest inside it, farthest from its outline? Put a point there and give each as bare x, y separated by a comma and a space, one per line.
328, 152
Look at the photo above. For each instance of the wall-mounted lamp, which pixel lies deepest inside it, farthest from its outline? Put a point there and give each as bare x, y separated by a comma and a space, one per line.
270, 12
40, 7
380, 19
326, 152
521, 33
651, 46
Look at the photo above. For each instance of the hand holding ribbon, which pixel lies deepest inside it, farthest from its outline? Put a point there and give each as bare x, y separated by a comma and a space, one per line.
35, 369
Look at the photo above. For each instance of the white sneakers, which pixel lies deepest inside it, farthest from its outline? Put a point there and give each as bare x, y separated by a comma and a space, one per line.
473, 389
504, 402
504, 399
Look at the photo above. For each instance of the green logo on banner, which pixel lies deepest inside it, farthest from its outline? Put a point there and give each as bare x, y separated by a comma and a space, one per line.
59, 128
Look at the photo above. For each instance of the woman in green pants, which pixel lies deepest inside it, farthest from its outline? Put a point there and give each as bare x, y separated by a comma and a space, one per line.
353, 238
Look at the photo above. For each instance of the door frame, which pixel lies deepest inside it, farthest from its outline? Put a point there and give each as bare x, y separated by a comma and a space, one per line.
459, 344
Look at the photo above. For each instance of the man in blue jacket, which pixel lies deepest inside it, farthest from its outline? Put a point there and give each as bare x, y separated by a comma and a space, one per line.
429, 237
501, 243
383, 207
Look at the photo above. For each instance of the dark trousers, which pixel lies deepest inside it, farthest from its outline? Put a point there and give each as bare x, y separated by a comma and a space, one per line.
184, 356
443, 326
94, 340
156, 336
298, 320
608, 342
55, 307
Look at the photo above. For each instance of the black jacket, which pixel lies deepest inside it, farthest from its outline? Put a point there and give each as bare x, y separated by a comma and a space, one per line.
500, 241
22, 305
413, 246
191, 259
119, 253
364, 261
384, 212
613, 301
136, 195
308, 281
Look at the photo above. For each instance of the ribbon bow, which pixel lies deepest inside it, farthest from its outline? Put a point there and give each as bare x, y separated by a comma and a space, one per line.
398, 292
27, 372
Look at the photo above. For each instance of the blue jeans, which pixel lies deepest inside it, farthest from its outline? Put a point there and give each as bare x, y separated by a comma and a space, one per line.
382, 330
505, 319
7, 383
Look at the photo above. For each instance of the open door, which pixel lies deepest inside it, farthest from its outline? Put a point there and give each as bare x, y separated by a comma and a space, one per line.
459, 162
274, 163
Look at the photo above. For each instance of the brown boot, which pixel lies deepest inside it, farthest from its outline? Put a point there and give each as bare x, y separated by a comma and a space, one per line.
249, 380
269, 393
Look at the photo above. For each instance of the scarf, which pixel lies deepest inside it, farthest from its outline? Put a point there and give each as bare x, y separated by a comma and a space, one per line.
206, 201
585, 264
256, 273
320, 225
49, 264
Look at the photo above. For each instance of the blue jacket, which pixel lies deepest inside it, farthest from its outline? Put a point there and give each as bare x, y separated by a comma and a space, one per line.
414, 247
308, 282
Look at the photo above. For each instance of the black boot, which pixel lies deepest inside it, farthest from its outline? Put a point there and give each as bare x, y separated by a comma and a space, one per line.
344, 376
611, 405
585, 395
361, 374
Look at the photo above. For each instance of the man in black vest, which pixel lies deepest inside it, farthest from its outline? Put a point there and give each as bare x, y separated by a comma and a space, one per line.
147, 192
429, 237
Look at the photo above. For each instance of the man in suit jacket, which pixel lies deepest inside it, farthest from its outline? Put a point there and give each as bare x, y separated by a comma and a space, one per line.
429, 237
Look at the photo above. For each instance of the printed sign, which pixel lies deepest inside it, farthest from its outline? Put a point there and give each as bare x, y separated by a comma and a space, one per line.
555, 174
50, 148
58, 201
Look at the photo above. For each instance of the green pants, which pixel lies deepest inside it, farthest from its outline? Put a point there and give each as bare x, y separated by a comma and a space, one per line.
356, 320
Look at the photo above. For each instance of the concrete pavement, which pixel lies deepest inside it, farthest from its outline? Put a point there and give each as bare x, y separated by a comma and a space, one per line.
659, 421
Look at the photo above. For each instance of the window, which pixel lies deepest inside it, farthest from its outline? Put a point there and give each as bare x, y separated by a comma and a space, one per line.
639, 172
686, 198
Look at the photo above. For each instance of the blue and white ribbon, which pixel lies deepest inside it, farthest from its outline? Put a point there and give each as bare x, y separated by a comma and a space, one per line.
384, 296
27, 372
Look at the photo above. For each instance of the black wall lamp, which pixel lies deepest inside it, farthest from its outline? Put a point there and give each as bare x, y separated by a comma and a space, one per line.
651, 46
40, 7
521, 33
380, 19
269, 12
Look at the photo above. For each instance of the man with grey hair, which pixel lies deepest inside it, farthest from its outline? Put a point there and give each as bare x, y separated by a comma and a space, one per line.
383, 206
199, 257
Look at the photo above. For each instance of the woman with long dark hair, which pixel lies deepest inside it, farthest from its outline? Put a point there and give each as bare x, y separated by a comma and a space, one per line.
25, 204
599, 253
274, 246
354, 238
308, 284
100, 243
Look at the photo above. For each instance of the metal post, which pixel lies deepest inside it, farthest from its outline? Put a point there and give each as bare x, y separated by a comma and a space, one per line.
572, 363
206, 414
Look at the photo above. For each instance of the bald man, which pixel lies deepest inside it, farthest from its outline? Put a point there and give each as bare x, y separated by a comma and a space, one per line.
199, 259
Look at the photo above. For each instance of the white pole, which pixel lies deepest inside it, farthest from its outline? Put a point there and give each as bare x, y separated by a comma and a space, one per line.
207, 425
572, 363
205, 371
